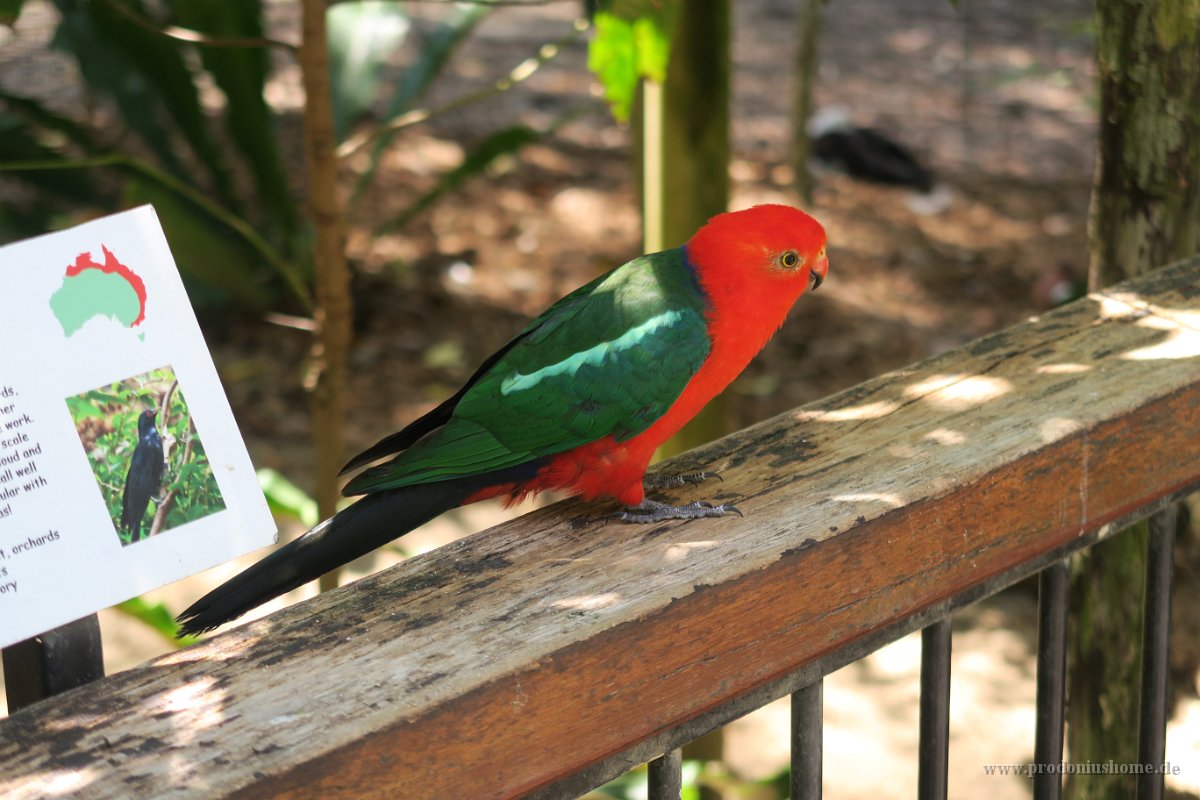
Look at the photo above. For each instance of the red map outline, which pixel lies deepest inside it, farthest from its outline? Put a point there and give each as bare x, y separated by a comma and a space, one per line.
112, 266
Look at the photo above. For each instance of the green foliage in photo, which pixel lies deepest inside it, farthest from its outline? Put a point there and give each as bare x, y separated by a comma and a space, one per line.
106, 419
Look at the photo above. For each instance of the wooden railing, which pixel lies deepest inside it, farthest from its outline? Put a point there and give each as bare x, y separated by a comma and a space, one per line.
549, 654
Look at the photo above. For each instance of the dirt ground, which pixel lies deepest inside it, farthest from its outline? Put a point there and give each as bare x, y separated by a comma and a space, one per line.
996, 97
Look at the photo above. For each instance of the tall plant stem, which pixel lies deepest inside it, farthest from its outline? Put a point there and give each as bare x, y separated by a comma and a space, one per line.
333, 305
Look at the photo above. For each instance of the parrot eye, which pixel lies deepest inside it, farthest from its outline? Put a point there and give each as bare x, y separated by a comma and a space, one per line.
790, 260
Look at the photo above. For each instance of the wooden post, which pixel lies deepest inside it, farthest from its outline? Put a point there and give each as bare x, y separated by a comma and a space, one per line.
808, 35
333, 311
685, 181
686, 156
53, 662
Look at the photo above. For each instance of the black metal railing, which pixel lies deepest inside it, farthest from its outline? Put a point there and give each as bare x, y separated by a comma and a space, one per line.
665, 775
1051, 677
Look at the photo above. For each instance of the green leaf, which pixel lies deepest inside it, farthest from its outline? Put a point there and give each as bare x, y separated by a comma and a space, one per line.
100, 396
241, 74
146, 76
504, 142
34, 113
632, 41
30, 132
9, 11
207, 252
652, 42
286, 498
613, 59
22, 142
157, 617
31, 219
191, 471
361, 37
107, 71
435, 52
177, 193
80, 408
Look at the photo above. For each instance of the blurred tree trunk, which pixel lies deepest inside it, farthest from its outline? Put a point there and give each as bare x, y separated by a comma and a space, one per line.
327, 375
1145, 213
685, 181
685, 156
808, 34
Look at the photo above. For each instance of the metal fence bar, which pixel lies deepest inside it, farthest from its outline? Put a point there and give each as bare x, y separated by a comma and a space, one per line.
1051, 679
933, 753
1156, 632
665, 776
807, 746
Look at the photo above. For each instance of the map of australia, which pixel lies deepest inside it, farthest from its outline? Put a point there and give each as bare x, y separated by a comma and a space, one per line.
110, 290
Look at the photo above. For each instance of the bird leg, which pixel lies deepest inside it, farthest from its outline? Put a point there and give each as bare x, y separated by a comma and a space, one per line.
654, 511
660, 481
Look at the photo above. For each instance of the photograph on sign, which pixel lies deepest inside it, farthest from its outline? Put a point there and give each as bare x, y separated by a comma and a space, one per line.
145, 454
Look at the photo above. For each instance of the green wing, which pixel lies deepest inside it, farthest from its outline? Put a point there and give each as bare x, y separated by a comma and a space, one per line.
607, 359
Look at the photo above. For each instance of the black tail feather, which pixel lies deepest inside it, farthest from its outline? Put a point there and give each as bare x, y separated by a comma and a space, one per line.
355, 531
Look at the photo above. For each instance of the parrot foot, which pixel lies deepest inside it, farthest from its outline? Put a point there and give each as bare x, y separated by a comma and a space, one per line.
654, 511
659, 481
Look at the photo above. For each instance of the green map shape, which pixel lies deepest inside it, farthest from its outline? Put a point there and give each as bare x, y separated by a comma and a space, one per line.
93, 293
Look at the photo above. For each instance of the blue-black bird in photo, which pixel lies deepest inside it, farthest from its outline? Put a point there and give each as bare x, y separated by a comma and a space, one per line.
144, 476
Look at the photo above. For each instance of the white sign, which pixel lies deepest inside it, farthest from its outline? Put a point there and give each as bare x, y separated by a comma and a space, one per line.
121, 466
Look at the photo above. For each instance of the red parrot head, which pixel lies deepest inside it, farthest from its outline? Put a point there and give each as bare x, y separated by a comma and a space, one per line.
757, 262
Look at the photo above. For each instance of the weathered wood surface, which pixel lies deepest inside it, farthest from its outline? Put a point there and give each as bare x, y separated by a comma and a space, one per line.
501, 664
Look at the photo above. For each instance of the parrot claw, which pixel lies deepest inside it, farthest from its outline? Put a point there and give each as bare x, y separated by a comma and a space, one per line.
654, 511
659, 481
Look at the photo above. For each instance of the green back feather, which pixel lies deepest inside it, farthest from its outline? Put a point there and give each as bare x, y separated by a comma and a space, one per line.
608, 359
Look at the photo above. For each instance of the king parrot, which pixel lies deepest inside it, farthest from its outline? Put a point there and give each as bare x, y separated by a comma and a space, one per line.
144, 476
578, 401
